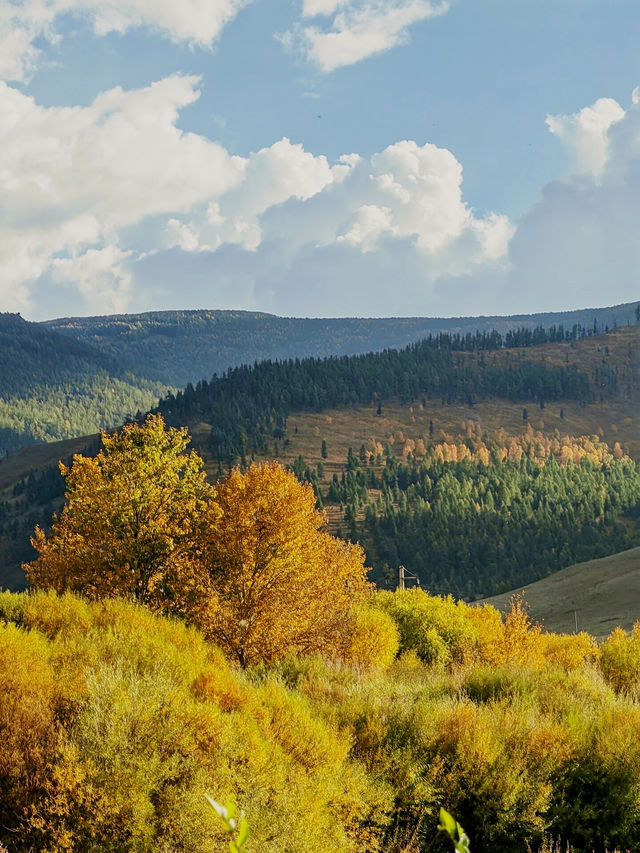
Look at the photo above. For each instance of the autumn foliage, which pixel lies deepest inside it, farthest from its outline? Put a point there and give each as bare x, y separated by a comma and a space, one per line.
131, 517
247, 561
277, 582
338, 717
115, 722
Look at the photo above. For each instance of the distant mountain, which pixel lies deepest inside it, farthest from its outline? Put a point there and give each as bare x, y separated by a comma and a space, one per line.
53, 386
178, 347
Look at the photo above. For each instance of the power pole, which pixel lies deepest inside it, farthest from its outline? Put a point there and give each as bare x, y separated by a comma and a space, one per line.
404, 575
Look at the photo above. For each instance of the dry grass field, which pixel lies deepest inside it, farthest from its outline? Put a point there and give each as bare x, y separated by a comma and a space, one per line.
602, 594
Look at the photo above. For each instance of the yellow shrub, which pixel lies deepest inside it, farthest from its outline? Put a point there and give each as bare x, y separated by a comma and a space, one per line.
55, 615
521, 644
437, 629
374, 640
569, 651
620, 660
28, 734
489, 629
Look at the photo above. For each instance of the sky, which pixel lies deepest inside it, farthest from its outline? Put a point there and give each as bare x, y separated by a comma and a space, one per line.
319, 158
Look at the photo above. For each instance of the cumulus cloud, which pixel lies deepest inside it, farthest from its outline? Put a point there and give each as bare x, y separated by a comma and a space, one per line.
91, 195
395, 236
406, 192
579, 244
357, 29
112, 207
586, 134
101, 276
72, 178
196, 22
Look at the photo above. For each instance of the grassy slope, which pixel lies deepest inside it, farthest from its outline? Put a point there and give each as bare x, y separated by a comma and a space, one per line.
603, 593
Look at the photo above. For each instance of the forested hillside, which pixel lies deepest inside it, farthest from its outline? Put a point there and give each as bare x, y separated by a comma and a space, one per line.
248, 404
53, 386
485, 513
393, 443
178, 347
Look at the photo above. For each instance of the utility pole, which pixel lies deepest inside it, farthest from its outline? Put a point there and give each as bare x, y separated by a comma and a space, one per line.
404, 575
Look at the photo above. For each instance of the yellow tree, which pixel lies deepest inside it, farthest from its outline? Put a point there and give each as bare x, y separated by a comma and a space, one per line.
277, 583
131, 519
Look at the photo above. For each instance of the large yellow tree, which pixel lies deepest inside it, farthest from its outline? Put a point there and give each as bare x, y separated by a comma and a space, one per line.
277, 582
131, 521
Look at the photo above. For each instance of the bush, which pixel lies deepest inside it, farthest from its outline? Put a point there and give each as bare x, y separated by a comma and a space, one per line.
620, 660
437, 629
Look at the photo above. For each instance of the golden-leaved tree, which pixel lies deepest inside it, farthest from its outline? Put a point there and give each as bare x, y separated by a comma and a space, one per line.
131, 520
246, 560
278, 583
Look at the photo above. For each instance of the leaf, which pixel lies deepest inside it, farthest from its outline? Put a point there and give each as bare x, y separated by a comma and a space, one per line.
243, 833
220, 810
447, 823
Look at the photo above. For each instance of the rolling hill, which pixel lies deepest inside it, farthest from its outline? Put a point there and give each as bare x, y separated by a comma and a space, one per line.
178, 347
382, 426
597, 595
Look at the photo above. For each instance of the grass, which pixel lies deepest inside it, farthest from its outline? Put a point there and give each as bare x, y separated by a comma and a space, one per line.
603, 594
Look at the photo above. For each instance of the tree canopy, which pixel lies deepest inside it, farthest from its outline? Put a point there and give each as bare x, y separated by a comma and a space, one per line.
278, 581
130, 519
246, 560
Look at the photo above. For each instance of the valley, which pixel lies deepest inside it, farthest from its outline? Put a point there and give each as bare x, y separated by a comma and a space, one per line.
319, 444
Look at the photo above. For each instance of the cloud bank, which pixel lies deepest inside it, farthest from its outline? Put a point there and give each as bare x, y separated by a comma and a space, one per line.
113, 207
93, 194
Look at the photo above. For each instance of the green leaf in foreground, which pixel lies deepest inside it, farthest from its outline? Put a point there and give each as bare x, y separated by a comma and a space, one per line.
455, 832
228, 815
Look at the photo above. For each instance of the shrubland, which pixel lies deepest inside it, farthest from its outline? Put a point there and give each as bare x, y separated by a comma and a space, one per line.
115, 722
183, 639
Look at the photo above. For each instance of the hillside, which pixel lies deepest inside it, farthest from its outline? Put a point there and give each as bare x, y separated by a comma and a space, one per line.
602, 594
178, 347
384, 429
54, 387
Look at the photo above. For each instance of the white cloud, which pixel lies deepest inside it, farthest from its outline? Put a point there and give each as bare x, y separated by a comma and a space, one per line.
579, 244
370, 222
358, 29
395, 236
91, 195
586, 134
102, 277
196, 22
272, 176
73, 178
111, 207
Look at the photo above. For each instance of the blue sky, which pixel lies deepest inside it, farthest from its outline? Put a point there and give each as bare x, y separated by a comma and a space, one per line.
320, 157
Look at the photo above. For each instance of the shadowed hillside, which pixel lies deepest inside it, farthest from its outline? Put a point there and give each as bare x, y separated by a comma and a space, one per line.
178, 347
53, 386
602, 594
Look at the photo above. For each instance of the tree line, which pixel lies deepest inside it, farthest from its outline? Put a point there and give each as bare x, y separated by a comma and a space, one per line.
249, 405
475, 517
